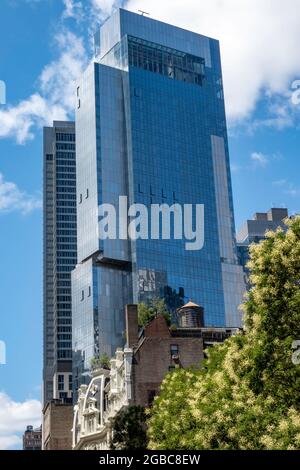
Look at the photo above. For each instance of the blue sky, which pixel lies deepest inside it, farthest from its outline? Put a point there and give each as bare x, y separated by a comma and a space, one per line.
44, 45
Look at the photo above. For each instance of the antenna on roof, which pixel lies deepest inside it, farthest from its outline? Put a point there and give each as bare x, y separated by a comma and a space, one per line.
143, 12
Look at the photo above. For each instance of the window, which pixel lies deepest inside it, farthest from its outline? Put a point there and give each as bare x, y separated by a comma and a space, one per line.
70, 383
49, 157
172, 63
136, 92
174, 350
82, 295
151, 395
61, 382
87, 194
90, 291
66, 147
78, 90
64, 354
80, 199
65, 137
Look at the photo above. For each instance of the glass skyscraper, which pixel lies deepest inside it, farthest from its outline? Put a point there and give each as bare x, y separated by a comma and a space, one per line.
60, 256
150, 125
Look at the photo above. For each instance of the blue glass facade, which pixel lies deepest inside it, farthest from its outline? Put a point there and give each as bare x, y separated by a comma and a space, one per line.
151, 125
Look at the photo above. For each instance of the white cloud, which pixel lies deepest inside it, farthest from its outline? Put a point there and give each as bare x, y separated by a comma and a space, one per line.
279, 183
292, 191
55, 97
103, 8
18, 121
259, 56
14, 417
13, 199
73, 9
259, 43
57, 80
12, 441
235, 168
280, 114
259, 159
93, 12
32, 2
287, 187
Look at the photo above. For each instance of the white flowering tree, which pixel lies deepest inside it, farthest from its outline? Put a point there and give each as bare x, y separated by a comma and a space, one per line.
247, 393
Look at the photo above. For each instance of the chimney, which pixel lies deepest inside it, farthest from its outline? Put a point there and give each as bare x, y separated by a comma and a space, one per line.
277, 214
132, 328
260, 216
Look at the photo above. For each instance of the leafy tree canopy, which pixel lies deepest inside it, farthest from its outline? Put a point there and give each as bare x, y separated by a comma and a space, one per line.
147, 312
129, 429
100, 362
246, 395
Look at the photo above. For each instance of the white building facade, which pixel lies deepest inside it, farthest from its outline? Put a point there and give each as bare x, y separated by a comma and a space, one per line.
98, 403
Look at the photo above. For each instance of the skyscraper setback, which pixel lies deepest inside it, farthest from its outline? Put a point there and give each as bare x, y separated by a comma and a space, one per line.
60, 255
150, 125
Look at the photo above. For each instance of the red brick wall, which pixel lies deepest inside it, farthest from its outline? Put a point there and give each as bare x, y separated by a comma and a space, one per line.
153, 358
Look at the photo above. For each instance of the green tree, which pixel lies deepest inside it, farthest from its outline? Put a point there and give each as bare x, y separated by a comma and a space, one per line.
246, 395
147, 312
129, 429
100, 362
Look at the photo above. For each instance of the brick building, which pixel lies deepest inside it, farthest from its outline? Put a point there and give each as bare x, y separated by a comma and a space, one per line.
58, 418
32, 438
136, 374
156, 351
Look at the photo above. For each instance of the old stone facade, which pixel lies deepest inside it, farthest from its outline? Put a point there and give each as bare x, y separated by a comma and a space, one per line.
108, 392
